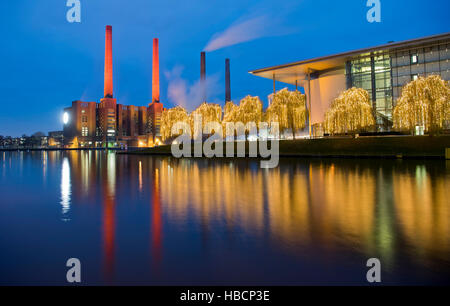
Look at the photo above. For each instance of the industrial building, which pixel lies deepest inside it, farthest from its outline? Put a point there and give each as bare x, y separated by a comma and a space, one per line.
111, 124
381, 70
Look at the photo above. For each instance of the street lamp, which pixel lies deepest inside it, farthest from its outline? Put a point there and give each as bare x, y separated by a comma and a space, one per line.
65, 118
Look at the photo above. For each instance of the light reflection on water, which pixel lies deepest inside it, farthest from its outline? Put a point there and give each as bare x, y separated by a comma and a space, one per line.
222, 221
65, 188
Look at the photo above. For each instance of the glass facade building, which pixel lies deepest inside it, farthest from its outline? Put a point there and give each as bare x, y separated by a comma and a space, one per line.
384, 74
383, 71
374, 74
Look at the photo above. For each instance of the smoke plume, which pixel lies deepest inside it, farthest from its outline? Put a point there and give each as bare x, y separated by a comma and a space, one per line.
189, 95
247, 30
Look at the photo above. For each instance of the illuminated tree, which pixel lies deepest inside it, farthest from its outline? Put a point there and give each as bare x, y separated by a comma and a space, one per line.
288, 108
350, 112
250, 110
171, 116
209, 112
231, 111
424, 102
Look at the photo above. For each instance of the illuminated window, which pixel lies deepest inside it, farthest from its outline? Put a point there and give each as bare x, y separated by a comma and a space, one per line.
111, 132
84, 131
414, 77
414, 59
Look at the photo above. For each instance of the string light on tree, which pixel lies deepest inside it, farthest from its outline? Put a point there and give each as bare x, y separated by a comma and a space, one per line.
249, 110
288, 108
209, 112
171, 116
350, 112
424, 102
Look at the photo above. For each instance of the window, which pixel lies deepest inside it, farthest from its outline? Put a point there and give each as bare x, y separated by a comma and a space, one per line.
84, 131
414, 59
414, 77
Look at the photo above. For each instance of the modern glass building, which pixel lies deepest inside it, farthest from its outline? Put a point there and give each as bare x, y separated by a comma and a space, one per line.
381, 70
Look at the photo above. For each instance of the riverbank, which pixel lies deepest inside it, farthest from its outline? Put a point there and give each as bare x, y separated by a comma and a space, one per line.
56, 149
364, 147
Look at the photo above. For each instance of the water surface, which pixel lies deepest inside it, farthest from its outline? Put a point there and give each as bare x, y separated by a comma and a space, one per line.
160, 220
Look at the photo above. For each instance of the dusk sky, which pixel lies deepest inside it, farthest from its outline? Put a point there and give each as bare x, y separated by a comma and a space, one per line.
47, 62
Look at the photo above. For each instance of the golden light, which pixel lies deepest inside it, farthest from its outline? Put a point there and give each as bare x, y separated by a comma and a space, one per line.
210, 113
171, 116
424, 102
350, 112
288, 108
249, 110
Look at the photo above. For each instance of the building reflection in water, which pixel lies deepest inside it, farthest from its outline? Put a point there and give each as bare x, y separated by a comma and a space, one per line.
4, 165
424, 211
366, 207
44, 165
374, 208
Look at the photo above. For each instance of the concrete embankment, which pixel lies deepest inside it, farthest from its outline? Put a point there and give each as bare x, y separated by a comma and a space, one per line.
373, 147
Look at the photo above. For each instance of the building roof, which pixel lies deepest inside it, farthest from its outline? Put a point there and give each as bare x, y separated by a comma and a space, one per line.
297, 71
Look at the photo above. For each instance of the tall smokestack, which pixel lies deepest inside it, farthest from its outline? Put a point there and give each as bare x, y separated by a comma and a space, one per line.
155, 80
227, 81
108, 91
203, 74
202, 66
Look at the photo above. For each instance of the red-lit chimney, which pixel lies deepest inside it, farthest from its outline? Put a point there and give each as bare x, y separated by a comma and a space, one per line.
155, 80
108, 63
227, 81
203, 75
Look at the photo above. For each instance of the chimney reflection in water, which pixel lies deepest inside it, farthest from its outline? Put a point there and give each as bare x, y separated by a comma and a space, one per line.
109, 215
156, 223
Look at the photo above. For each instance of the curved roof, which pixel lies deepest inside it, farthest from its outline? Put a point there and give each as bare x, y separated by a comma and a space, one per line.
297, 71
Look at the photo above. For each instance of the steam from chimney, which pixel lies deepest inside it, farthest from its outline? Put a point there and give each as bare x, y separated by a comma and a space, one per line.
155, 76
248, 29
108, 77
189, 94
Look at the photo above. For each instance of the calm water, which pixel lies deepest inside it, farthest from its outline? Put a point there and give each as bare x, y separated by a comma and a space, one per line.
151, 220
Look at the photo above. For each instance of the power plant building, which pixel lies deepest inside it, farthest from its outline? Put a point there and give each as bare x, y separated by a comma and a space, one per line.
109, 124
